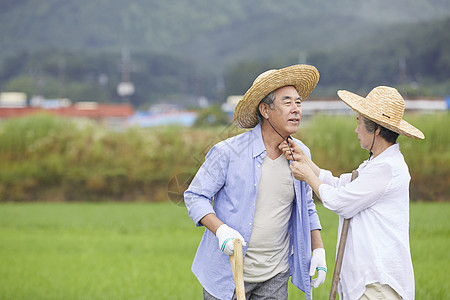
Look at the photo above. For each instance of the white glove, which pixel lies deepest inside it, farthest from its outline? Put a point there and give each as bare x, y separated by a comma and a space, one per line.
226, 235
318, 262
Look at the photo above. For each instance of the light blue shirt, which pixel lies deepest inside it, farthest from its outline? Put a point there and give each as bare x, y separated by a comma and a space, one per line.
230, 177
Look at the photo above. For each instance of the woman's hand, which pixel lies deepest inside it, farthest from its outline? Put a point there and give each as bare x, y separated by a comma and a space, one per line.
298, 154
292, 150
301, 170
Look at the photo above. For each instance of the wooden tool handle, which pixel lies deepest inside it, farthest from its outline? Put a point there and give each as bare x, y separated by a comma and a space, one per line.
237, 261
339, 257
340, 253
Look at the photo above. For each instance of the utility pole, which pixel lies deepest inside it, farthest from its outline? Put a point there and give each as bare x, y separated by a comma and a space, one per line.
125, 88
61, 77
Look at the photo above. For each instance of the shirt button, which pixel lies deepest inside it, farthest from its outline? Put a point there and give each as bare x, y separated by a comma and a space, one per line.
250, 224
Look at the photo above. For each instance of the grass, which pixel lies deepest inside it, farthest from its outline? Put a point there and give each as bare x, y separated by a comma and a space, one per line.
145, 250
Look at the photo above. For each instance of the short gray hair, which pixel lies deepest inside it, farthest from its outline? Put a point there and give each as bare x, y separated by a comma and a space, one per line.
269, 99
370, 125
385, 133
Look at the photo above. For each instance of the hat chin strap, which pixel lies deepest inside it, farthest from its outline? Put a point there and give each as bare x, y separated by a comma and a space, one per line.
276, 130
371, 147
286, 139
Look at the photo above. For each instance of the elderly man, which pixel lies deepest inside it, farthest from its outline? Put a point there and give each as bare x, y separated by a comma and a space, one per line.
255, 198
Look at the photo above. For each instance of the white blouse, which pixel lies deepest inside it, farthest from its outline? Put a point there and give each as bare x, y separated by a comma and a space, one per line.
377, 247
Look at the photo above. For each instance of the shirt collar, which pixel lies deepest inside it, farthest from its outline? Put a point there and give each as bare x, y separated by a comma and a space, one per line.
258, 144
388, 151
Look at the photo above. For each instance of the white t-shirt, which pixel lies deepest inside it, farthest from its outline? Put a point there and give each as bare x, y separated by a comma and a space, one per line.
268, 248
377, 247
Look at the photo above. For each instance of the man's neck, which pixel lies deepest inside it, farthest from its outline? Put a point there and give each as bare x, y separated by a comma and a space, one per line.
271, 140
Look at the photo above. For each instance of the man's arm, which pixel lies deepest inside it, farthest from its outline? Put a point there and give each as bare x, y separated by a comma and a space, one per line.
207, 182
316, 239
212, 222
223, 232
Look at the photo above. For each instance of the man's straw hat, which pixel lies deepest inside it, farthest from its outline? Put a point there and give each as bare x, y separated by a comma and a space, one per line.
385, 106
303, 77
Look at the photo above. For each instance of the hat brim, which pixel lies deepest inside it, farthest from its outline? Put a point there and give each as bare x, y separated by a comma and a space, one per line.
360, 105
303, 77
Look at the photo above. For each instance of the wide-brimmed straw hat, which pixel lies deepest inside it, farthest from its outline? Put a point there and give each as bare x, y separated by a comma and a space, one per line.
385, 106
303, 77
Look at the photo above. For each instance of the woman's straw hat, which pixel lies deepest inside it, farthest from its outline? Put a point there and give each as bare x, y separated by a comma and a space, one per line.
385, 106
303, 77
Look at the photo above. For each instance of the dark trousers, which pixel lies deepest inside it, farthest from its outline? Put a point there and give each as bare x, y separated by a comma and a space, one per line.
275, 288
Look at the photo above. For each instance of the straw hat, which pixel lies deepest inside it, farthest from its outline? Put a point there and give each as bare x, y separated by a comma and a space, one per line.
385, 106
303, 77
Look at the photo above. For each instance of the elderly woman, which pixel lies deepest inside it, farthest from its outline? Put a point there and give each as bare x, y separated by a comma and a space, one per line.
377, 261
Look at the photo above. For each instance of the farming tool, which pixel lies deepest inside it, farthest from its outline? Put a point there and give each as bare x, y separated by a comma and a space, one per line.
236, 260
340, 254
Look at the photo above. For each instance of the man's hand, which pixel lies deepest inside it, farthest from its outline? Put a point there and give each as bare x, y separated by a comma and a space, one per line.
226, 235
318, 262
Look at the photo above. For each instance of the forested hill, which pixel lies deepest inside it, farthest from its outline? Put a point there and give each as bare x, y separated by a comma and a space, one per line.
183, 50
218, 31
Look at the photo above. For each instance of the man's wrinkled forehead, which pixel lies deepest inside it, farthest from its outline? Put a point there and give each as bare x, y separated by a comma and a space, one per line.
287, 93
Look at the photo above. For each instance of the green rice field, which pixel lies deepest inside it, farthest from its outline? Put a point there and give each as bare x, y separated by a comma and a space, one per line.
144, 250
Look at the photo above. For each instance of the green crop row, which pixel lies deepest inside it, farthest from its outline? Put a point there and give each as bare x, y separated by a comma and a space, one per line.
44, 157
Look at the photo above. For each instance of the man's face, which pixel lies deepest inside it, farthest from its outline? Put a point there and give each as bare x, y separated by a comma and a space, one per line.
287, 110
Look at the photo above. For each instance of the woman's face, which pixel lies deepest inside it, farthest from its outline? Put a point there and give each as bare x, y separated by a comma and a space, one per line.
365, 138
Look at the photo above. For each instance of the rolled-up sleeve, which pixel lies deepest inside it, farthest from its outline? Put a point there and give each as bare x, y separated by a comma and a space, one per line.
348, 198
208, 180
327, 177
314, 221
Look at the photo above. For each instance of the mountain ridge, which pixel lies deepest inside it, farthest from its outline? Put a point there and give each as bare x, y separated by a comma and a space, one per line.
186, 29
